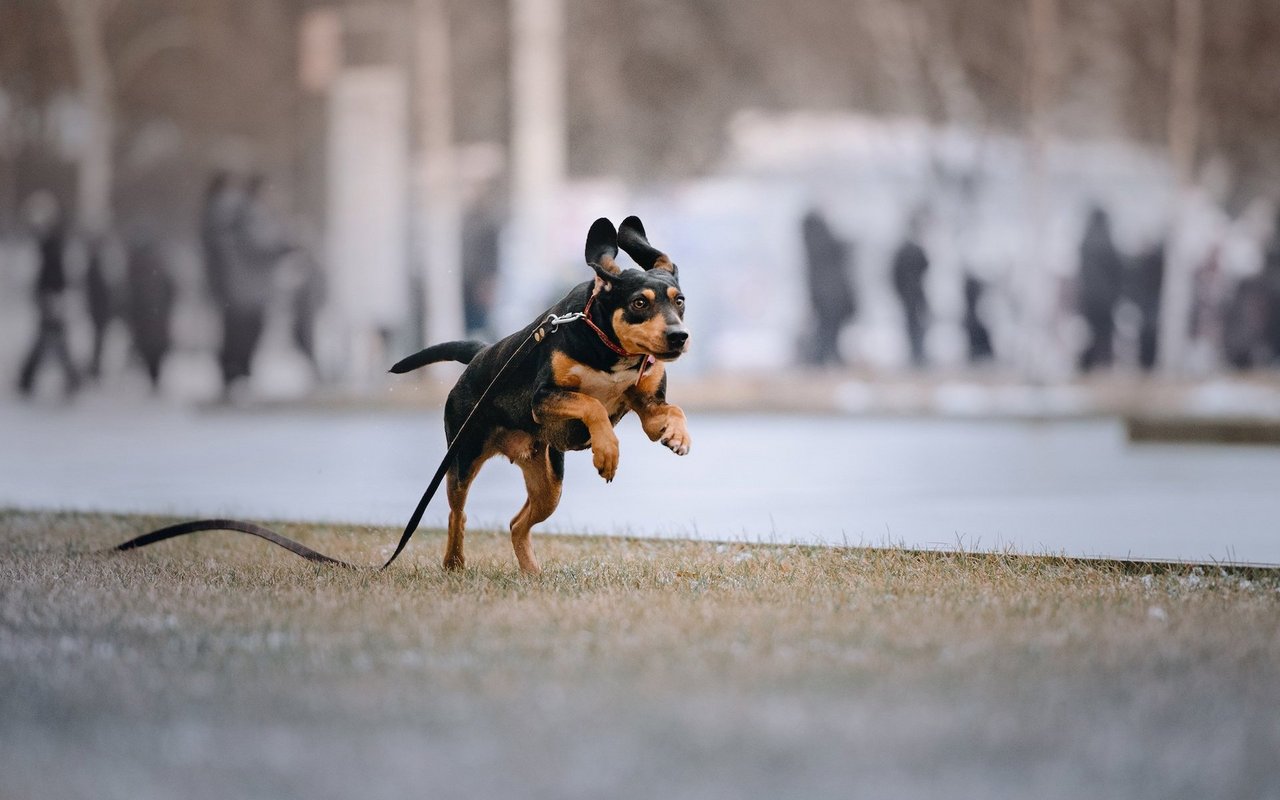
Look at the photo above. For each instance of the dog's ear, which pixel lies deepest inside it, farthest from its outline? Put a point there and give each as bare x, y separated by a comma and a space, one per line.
631, 238
602, 248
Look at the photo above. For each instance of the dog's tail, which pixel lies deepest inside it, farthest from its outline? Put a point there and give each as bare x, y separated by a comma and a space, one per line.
462, 352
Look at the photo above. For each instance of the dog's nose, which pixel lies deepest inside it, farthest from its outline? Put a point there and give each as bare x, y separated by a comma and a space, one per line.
676, 339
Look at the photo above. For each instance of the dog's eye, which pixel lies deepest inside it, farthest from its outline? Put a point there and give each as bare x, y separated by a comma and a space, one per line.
640, 304
679, 301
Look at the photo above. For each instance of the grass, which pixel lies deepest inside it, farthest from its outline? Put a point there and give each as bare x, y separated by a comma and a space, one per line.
219, 666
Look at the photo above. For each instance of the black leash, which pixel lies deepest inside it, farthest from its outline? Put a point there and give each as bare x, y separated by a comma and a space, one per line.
550, 325
195, 526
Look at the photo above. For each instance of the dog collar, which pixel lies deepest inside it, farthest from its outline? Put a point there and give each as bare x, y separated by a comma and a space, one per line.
552, 323
648, 360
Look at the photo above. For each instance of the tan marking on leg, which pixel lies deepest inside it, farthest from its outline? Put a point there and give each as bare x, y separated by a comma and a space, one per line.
456, 489
457, 493
675, 431
667, 424
604, 442
544, 495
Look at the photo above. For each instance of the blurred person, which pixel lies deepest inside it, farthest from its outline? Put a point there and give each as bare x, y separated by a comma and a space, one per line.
1208, 303
910, 263
831, 296
262, 240
1271, 282
1101, 276
150, 304
1244, 255
248, 250
222, 202
1244, 325
102, 294
976, 331
50, 295
481, 231
1198, 229
262, 236
219, 221
307, 298
1146, 279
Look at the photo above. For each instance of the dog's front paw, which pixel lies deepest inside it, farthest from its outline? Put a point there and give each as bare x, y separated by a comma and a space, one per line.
677, 439
604, 455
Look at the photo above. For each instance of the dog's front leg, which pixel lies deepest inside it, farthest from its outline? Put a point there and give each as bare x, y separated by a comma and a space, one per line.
662, 421
564, 405
665, 423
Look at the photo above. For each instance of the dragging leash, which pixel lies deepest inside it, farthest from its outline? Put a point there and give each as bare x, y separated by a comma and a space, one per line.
230, 525
549, 325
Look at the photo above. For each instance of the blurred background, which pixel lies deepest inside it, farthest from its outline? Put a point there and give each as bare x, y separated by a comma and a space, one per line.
261, 199
883, 210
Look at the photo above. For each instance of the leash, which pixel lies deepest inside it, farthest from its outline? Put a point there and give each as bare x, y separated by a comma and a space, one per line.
231, 525
549, 325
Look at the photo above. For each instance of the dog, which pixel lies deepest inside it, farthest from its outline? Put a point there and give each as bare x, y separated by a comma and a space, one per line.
573, 387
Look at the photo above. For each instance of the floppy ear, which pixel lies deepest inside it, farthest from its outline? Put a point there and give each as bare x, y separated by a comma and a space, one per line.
631, 239
602, 248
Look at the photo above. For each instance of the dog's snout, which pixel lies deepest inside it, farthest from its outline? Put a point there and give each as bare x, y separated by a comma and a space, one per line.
676, 338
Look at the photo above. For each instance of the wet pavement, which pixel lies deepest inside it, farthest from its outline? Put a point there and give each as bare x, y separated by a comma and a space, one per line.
1073, 487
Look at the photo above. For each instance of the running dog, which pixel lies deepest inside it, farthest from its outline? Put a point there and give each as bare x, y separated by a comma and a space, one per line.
585, 372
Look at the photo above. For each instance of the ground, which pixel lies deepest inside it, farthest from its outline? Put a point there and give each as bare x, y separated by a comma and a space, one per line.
219, 666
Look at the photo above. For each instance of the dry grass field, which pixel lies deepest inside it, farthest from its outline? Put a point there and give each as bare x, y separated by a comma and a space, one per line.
219, 666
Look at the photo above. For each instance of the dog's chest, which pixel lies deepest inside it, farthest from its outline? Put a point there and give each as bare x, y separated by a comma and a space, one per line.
609, 388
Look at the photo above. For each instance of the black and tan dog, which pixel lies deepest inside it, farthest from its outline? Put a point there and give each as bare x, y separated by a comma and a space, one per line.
570, 390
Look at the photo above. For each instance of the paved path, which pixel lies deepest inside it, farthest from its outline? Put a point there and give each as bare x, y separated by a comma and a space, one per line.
1073, 487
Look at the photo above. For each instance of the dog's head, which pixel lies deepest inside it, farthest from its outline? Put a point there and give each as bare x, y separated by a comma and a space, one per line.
645, 307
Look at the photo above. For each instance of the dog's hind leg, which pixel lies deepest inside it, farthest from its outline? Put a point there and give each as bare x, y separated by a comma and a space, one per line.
543, 479
457, 482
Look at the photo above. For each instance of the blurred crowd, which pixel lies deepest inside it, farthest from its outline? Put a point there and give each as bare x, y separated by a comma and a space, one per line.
252, 263
1116, 296
255, 269
246, 250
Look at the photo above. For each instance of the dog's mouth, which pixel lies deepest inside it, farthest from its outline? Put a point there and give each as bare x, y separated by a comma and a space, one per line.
661, 349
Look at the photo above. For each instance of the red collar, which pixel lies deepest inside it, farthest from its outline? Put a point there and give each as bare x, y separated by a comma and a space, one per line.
649, 361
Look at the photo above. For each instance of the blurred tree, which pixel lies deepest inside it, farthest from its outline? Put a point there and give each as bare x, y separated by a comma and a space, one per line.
85, 21
164, 89
650, 84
